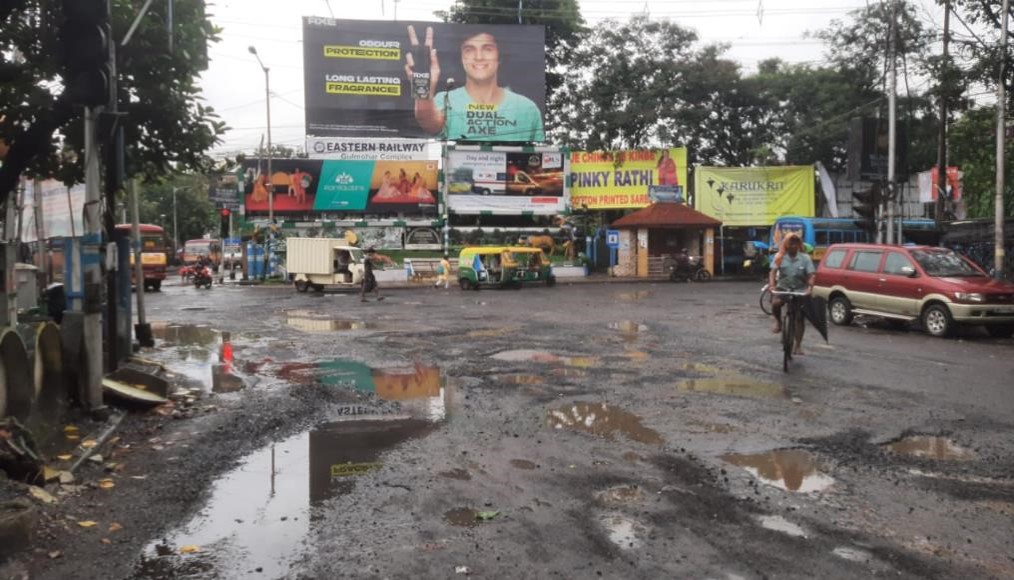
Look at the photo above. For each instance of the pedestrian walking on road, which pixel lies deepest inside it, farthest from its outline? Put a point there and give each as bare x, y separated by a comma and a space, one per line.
444, 273
369, 280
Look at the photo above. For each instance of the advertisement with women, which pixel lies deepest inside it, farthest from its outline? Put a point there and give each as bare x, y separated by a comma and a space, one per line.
626, 179
313, 185
463, 82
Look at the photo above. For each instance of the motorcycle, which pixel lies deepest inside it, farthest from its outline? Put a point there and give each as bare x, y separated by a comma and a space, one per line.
690, 269
202, 277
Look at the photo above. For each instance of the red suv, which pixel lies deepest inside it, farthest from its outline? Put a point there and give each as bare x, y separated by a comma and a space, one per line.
936, 286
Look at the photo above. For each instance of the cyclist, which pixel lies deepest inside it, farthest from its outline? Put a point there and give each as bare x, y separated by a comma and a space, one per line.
791, 270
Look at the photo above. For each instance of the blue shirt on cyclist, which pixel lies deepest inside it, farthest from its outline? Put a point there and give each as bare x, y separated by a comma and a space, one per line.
794, 272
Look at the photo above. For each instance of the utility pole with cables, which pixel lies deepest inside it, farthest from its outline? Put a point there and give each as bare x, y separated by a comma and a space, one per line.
1001, 108
892, 121
941, 206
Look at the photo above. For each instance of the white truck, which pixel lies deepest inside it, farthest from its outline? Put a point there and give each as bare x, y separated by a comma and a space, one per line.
314, 263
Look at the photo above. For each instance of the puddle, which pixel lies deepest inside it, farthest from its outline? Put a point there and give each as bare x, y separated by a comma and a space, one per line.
622, 531
202, 355
620, 495
185, 334
462, 517
523, 464
543, 356
638, 295
570, 372
732, 385
628, 328
780, 524
419, 389
259, 514
323, 325
787, 469
930, 447
458, 473
602, 420
852, 554
493, 332
520, 379
696, 367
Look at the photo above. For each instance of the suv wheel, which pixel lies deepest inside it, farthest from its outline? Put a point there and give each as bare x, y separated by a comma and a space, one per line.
841, 311
937, 321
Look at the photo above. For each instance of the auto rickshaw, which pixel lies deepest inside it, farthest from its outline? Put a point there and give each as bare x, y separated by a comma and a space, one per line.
503, 267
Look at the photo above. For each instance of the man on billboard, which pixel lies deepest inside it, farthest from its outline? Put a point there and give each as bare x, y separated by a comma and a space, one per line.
481, 110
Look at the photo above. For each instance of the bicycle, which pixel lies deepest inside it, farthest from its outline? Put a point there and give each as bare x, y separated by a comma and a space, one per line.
765, 300
791, 311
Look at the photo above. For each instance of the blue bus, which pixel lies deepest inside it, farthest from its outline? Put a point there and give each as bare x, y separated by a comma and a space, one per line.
823, 232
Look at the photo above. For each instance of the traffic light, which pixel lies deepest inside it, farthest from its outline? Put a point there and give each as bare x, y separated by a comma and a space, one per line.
865, 207
85, 37
224, 212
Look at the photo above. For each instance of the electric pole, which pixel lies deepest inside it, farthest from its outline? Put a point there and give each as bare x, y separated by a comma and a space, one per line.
1001, 102
941, 205
892, 140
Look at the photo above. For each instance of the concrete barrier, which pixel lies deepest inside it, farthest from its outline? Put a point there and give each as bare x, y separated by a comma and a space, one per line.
17, 390
570, 271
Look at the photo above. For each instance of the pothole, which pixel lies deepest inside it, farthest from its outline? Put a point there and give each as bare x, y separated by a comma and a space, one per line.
259, 514
602, 420
457, 473
780, 524
622, 531
930, 447
543, 356
788, 469
318, 325
520, 379
620, 495
852, 554
522, 464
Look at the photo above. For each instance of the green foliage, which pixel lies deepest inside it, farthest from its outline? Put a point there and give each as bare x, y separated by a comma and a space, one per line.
168, 125
195, 214
973, 149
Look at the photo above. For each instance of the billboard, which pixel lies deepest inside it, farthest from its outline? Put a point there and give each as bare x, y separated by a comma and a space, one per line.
462, 82
754, 196
623, 179
314, 185
348, 149
506, 182
59, 203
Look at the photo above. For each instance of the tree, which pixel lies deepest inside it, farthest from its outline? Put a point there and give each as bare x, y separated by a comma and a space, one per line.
195, 214
974, 151
168, 125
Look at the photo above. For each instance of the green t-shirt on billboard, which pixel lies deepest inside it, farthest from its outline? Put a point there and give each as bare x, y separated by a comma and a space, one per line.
515, 118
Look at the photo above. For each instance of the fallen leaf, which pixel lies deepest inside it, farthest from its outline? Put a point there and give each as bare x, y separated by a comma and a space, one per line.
138, 477
65, 457
106, 541
96, 458
55, 554
114, 440
87, 524
72, 438
189, 549
41, 494
107, 483
49, 474
89, 443
486, 516
158, 447
114, 527
70, 430
66, 477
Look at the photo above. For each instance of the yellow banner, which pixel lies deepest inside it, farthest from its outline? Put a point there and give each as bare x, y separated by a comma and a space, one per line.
621, 179
754, 196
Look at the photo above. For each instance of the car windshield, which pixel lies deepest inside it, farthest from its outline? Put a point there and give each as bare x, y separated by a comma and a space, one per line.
944, 263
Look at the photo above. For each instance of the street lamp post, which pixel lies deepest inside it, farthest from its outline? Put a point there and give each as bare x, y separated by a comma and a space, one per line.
271, 186
176, 229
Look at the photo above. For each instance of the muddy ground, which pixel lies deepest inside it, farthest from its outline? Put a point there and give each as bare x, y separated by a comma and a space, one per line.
608, 430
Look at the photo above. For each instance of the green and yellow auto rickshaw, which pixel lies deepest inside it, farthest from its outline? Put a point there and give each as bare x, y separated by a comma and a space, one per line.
503, 267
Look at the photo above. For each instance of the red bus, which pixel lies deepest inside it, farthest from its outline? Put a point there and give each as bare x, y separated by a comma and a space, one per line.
153, 254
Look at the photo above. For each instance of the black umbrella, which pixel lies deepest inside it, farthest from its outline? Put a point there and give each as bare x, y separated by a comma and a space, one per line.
815, 310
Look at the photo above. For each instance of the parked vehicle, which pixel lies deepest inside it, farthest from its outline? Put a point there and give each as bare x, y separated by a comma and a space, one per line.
315, 263
202, 276
935, 286
820, 233
692, 268
503, 267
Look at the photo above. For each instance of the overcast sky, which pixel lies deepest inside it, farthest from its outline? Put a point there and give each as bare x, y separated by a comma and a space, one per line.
234, 83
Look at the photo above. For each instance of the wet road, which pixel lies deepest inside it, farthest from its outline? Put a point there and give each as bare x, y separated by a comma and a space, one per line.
614, 430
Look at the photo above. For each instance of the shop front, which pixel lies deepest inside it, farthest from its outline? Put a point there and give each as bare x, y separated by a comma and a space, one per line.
662, 230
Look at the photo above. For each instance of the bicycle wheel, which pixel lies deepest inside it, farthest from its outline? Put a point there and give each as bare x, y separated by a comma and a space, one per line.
765, 300
788, 337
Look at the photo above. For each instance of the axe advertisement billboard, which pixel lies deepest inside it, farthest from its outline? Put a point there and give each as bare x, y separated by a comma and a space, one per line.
461, 82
